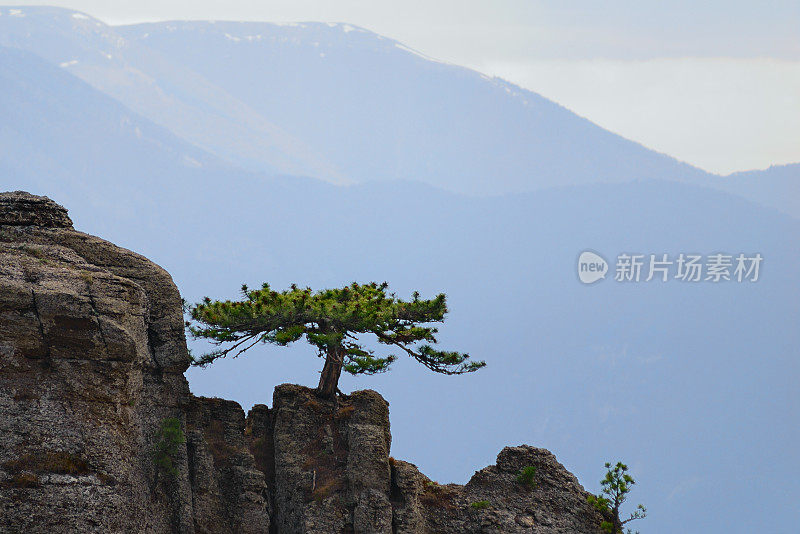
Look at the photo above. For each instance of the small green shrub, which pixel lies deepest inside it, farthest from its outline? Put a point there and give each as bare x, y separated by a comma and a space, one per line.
168, 440
480, 505
527, 476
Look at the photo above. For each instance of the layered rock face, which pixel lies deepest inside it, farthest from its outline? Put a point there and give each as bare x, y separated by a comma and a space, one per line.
92, 355
331, 462
228, 491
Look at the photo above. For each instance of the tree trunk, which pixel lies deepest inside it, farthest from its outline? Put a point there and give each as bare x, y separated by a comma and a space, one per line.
329, 378
617, 521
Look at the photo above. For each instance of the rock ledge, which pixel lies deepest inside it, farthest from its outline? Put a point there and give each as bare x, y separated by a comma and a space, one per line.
23, 209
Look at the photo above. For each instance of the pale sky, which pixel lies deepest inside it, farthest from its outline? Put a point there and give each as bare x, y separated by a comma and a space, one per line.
714, 83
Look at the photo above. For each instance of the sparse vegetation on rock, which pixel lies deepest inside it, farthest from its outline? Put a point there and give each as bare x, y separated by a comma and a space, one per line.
479, 505
169, 439
527, 476
60, 462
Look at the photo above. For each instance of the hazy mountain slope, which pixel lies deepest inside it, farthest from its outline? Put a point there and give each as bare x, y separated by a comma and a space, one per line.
777, 186
164, 91
380, 111
60, 135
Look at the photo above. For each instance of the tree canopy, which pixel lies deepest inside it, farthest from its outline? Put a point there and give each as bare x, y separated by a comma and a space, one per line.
334, 321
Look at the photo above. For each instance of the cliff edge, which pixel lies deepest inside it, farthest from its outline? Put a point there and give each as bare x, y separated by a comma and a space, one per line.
92, 356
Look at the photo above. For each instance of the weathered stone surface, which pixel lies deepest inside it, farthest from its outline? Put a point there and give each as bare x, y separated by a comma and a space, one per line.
493, 501
228, 491
408, 485
259, 433
81, 383
92, 355
333, 474
368, 472
23, 209
331, 462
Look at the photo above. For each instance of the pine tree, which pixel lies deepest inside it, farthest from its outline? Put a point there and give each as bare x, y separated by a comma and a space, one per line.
332, 320
615, 487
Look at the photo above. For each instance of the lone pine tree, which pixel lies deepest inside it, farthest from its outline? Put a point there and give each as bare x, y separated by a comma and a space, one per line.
331, 320
616, 486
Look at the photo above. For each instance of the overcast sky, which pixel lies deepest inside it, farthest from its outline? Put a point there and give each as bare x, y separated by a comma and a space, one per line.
715, 83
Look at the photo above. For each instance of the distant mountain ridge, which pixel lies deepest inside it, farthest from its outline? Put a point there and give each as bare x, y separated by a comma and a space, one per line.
335, 102
381, 111
778, 187
343, 104
159, 89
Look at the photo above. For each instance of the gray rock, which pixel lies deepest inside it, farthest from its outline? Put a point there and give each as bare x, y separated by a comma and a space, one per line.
91, 362
23, 209
228, 491
493, 501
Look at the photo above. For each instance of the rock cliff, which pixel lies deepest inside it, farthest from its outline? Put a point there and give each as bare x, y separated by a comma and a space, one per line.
92, 355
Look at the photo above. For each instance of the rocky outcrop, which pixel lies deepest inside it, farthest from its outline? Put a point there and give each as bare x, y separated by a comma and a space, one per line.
23, 209
99, 432
331, 462
229, 494
92, 355
333, 473
495, 500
